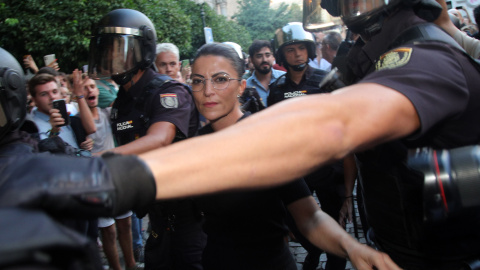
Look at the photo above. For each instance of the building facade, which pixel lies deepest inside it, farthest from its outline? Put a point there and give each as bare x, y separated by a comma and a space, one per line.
226, 8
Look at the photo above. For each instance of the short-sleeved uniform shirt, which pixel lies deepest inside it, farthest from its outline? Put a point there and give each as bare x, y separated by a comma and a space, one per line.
172, 104
290, 89
442, 84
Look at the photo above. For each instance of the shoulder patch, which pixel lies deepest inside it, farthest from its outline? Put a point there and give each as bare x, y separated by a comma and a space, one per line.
394, 58
169, 101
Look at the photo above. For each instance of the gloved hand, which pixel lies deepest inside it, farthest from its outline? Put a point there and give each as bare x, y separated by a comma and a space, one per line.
76, 187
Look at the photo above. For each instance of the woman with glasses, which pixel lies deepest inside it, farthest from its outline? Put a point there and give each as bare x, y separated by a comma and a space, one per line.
246, 229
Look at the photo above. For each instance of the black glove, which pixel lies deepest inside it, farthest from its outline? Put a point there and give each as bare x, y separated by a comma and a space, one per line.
134, 182
76, 187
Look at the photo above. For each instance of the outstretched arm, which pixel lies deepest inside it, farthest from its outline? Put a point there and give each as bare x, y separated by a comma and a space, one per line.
265, 149
85, 114
325, 233
160, 134
350, 174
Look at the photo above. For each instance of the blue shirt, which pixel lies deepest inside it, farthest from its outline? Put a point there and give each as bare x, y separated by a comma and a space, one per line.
254, 82
43, 125
324, 64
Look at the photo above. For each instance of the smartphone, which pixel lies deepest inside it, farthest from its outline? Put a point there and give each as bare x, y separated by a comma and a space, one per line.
449, 4
48, 59
60, 105
185, 63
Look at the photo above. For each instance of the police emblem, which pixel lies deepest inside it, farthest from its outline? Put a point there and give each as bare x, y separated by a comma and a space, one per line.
394, 59
169, 100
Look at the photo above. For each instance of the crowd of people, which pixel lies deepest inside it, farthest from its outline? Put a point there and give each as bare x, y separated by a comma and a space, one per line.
232, 184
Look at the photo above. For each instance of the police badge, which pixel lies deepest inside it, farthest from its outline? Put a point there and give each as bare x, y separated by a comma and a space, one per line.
394, 58
169, 101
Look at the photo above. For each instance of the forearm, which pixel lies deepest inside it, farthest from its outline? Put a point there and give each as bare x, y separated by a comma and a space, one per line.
159, 135
247, 151
469, 44
86, 116
350, 174
328, 235
139, 146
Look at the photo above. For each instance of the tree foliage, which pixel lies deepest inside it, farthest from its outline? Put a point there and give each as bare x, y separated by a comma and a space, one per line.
45, 27
261, 20
222, 29
64, 27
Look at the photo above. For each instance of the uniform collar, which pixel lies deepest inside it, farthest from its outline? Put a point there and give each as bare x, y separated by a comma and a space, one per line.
137, 88
306, 76
362, 58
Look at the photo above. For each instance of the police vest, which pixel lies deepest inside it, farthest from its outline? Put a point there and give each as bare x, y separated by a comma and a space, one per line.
131, 116
280, 89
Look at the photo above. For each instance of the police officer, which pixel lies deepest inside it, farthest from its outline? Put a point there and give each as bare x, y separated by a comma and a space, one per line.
150, 111
399, 50
414, 88
294, 46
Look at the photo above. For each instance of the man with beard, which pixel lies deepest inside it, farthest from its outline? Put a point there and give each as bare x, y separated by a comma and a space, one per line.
262, 58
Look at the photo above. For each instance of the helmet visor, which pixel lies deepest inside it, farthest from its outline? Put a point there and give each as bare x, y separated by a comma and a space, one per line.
353, 8
113, 55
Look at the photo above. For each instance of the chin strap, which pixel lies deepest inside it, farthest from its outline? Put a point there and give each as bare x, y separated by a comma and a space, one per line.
300, 67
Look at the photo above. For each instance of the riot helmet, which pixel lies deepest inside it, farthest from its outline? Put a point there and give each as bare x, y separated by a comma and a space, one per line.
293, 33
365, 17
124, 42
13, 94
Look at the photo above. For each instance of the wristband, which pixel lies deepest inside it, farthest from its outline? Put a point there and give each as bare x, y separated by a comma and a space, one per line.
51, 134
80, 97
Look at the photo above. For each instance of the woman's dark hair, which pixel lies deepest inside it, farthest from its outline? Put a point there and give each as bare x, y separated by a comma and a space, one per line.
223, 50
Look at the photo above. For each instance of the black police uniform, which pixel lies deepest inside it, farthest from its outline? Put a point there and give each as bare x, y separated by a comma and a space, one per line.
284, 87
324, 181
176, 239
442, 84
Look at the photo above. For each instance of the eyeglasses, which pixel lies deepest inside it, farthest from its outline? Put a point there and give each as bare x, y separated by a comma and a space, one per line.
219, 81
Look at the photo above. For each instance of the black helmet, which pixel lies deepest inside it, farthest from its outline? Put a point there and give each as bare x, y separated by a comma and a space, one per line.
365, 17
290, 34
13, 94
124, 41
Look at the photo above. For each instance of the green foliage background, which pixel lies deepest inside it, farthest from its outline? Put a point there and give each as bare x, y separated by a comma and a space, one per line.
64, 27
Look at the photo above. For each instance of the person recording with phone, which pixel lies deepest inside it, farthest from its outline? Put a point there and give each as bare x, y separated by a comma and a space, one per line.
44, 90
